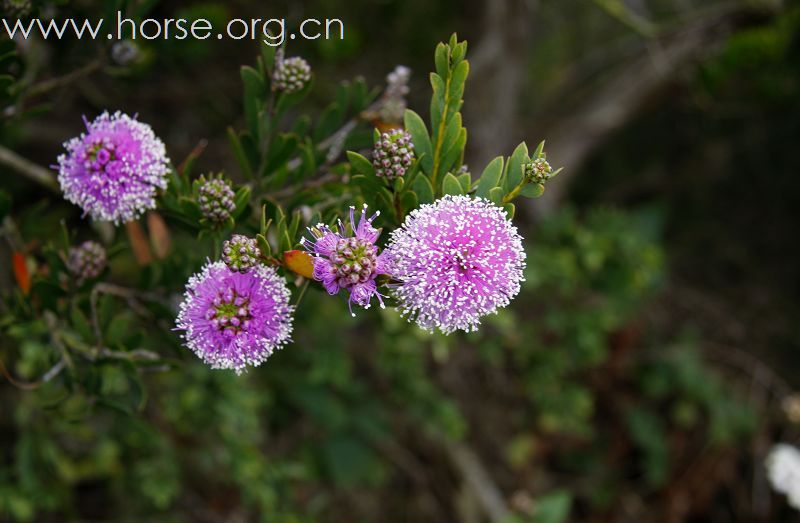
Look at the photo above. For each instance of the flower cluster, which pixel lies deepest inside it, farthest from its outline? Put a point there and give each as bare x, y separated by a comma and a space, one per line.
232, 320
393, 105
240, 253
291, 74
393, 154
349, 262
86, 261
538, 171
114, 170
215, 198
456, 260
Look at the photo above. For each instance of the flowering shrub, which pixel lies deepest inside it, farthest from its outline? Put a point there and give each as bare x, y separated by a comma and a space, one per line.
453, 257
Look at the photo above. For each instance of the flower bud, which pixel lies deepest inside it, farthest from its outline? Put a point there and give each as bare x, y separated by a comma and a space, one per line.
215, 198
393, 154
86, 261
291, 74
538, 171
240, 253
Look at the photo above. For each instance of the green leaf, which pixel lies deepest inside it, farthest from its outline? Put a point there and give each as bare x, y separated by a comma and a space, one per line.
268, 56
553, 507
450, 185
466, 182
265, 223
515, 171
241, 199
441, 59
490, 178
424, 189
283, 147
538, 152
387, 201
409, 201
532, 190
264, 246
458, 80
238, 152
455, 153
422, 140
496, 195
369, 186
254, 89
328, 123
360, 164
509, 208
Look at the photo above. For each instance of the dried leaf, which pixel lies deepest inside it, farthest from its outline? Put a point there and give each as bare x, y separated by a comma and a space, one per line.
139, 243
21, 274
299, 262
160, 238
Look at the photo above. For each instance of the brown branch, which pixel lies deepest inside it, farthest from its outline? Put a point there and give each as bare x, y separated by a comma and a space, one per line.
30, 170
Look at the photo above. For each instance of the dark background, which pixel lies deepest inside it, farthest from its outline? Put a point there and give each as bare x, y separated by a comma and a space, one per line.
677, 124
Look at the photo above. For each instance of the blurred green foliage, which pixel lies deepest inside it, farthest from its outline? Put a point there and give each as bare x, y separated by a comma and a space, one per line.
572, 394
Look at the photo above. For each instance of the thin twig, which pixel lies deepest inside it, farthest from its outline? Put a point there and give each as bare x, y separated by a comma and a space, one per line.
30, 170
303, 290
63, 81
477, 478
193, 155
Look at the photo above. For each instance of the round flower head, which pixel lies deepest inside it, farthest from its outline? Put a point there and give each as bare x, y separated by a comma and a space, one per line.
113, 171
240, 253
291, 74
86, 261
393, 154
456, 260
232, 319
783, 471
215, 198
538, 171
349, 262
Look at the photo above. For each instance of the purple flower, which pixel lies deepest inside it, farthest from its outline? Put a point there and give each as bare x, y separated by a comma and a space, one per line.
114, 170
456, 260
348, 262
232, 319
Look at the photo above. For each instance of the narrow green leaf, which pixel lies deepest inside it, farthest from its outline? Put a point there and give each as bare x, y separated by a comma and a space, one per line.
264, 246
538, 152
240, 200
238, 152
422, 140
254, 89
514, 172
490, 178
442, 60
458, 80
264, 222
268, 56
454, 154
509, 208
